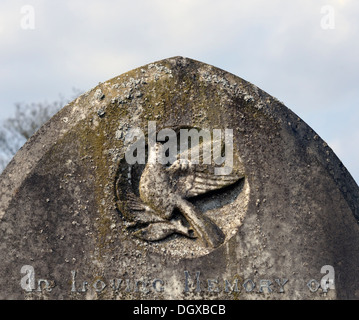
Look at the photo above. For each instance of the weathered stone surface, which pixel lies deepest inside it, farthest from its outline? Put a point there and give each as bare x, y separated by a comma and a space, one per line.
65, 206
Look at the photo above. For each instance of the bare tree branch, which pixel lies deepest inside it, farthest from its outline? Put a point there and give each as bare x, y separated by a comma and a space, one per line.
28, 118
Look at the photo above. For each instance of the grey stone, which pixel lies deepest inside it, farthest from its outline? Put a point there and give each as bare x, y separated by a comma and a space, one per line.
88, 225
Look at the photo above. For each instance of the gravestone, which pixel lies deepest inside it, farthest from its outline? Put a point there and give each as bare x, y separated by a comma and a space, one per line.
99, 204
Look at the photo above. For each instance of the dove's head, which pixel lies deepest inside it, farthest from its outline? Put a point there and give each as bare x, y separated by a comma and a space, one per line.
155, 153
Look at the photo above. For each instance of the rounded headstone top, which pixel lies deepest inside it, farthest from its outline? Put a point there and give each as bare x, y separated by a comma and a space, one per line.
106, 189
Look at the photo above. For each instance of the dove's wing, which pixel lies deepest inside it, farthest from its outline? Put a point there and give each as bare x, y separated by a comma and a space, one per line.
140, 212
198, 177
198, 182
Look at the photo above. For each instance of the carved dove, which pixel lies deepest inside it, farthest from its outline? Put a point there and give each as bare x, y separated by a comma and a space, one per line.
163, 189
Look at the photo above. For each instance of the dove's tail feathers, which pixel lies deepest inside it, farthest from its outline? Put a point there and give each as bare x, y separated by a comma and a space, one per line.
139, 212
135, 203
160, 230
155, 231
205, 228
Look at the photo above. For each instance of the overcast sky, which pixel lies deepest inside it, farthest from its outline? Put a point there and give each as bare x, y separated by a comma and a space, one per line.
303, 52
